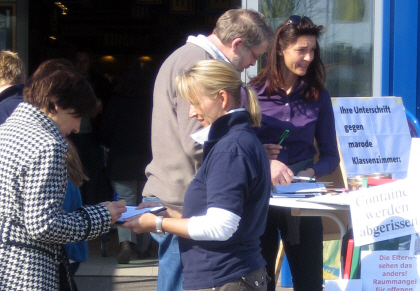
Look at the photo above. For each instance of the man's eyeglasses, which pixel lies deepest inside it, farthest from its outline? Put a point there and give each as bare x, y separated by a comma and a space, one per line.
294, 20
253, 53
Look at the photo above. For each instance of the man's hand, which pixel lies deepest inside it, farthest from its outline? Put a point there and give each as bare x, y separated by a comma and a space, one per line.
280, 173
272, 150
115, 208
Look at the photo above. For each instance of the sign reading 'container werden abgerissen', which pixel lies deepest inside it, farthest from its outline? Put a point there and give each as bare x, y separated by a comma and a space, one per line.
384, 212
373, 135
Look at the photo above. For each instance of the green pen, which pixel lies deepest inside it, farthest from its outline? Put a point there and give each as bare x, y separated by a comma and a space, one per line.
283, 136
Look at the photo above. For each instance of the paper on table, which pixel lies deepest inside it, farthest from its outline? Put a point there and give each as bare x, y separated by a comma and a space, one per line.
132, 211
301, 188
294, 195
338, 199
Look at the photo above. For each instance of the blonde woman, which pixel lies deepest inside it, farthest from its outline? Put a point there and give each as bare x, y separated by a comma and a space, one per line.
226, 204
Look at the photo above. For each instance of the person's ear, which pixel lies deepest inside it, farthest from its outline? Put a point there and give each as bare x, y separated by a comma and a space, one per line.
235, 44
224, 99
56, 108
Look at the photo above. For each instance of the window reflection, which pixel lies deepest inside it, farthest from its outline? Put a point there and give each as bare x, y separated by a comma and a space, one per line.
346, 45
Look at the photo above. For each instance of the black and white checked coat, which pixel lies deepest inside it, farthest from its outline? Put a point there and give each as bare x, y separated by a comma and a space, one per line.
33, 181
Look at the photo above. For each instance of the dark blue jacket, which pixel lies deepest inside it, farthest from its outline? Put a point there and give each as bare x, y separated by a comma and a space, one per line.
9, 100
235, 176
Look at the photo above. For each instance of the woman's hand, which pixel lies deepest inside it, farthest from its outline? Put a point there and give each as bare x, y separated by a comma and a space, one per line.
272, 150
148, 204
141, 223
115, 208
169, 212
280, 173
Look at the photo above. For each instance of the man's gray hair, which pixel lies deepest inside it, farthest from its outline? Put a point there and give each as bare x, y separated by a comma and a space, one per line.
248, 24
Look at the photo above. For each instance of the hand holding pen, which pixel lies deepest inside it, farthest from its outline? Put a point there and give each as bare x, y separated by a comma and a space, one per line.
283, 136
273, 150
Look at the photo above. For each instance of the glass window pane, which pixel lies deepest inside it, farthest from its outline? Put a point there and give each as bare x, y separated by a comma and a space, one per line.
347, 42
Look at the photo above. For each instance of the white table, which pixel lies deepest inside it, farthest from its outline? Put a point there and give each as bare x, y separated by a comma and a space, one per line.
338, 212
334, 207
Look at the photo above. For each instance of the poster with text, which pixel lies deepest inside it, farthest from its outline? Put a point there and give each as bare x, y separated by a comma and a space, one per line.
414, 162
384, 212
389, 271
373, 135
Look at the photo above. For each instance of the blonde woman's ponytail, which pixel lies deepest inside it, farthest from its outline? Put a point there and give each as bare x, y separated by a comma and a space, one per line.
252, 106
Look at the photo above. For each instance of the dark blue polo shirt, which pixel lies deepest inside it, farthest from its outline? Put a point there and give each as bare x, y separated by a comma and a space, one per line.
235, 176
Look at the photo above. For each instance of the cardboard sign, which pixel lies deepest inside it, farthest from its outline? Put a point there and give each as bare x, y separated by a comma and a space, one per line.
389, 270
384, 212
373, 135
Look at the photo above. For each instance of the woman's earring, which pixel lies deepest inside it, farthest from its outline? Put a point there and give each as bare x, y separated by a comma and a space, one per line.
279, 54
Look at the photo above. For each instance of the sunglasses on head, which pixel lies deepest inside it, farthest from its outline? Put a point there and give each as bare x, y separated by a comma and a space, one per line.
294, 20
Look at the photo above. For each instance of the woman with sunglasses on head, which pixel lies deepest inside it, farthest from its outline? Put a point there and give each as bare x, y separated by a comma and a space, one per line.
292, 97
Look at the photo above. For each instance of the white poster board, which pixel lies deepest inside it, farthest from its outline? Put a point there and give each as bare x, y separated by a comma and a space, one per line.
373, 135
414, 162
389, 270
343, 285
384, 212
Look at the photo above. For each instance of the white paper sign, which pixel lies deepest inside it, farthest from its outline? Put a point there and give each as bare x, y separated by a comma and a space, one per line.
343, 285
384, 212
373, 135
389, 270
414, 162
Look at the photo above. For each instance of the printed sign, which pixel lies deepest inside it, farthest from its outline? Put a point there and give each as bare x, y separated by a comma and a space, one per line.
389, 270
414, 163
373, 135
343, 285
384, 212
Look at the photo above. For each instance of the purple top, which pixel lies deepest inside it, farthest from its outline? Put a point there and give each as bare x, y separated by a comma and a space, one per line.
304, 120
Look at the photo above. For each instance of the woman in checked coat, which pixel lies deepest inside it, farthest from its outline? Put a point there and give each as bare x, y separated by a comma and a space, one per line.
33, 181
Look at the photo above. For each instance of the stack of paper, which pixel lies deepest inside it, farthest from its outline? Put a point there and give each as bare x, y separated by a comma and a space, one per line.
300, 190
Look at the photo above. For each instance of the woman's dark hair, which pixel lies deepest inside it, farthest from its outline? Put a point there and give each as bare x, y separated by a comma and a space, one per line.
57, 82
285, 35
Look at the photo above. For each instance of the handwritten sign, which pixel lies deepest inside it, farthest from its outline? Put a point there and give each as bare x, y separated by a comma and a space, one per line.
373, 135
385, 212
389, 270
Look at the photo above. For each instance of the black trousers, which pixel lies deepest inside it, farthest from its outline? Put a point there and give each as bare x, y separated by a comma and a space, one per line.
254, 281
305, 259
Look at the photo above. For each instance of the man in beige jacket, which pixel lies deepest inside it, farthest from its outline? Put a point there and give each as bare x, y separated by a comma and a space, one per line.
240, 37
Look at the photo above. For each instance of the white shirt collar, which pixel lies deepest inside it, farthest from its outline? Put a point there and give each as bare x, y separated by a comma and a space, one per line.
203, 42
